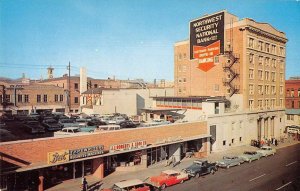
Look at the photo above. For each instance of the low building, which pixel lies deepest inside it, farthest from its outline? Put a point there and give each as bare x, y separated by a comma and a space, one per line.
49, 161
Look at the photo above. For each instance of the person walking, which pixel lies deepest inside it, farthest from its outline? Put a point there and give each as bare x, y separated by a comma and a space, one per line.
84, 184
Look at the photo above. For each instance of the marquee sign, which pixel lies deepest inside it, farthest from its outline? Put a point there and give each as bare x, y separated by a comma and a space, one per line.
207, 39
128, 146
68, 155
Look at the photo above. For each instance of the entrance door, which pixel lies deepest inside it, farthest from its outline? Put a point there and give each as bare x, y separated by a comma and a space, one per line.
78, 169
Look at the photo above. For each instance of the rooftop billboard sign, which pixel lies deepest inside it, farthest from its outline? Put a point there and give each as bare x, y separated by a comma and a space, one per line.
207, 39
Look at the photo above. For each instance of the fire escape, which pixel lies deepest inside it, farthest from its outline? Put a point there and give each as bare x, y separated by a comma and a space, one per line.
228, 67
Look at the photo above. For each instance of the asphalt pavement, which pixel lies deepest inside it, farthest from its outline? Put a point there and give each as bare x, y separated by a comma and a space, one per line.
278, 172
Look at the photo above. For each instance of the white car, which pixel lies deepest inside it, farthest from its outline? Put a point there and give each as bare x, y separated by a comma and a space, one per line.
266, 151
69, 131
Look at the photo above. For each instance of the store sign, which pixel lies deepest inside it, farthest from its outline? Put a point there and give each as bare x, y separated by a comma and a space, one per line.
128, 146
86, 152
58, 157
67, 155
207, 39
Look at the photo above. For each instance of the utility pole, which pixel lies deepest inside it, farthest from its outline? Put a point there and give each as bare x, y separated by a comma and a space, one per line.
69, 86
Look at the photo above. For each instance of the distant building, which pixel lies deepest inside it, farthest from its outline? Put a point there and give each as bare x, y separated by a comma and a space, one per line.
292, 93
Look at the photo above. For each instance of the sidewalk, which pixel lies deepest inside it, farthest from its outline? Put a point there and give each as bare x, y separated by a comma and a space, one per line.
108, 181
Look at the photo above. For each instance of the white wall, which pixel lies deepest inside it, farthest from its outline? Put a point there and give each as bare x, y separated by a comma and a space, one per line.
242, 124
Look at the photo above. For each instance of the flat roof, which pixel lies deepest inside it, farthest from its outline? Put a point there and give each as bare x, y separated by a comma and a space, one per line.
161, 109
153, 145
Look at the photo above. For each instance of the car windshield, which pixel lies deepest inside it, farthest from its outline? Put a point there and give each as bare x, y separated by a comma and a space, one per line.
228, 158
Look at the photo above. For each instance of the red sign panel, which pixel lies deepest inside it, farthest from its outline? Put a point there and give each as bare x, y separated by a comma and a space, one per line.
206, 54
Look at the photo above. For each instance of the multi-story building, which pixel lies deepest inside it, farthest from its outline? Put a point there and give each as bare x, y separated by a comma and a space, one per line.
251, 67
242, 61
72, 85
26, 98
292, 101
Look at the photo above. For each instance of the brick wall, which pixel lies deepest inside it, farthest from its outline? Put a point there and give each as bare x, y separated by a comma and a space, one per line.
35, 151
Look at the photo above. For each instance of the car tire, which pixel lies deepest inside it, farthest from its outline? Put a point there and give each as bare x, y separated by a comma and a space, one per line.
197, 175
163, 187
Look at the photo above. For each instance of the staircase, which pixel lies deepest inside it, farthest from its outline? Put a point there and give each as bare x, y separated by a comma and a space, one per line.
232, 59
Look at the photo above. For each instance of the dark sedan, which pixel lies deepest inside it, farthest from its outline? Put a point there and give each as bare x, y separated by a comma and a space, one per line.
51, 125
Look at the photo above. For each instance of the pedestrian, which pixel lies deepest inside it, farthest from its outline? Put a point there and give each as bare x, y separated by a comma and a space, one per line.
276, 143
84, 185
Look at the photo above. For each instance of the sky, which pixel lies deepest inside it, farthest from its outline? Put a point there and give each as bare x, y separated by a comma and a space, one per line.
128, 39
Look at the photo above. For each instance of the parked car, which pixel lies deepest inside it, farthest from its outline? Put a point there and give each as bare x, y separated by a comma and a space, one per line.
6, 135
2, 124
127, 124
67, 123
201, 167
168, 178
229, 161
97, 122
21, 117
129, 185
34, 116
34, 127
69, 131
51, 125
250, 156
87, 128
266, 151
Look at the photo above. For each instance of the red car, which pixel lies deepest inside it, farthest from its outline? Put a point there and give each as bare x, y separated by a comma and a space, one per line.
168, 178
129, 185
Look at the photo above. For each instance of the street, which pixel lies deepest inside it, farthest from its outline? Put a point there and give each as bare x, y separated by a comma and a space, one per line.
279, 172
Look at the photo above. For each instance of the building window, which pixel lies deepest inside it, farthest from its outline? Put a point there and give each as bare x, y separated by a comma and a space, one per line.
240, 139
45, 98
290, 117
274, 63
95, 85
273, 49
251, 43
1, 99
251, 104
7, 98
184, 68
281, 77
260, 45
272, 103
298, 92
260, 60
56, 98
260, 75
281, 90
281, 102
251, 58
260, 104
26, 98
267, 61
76, 86
267, 75
292, 92
251, 74
281, 51
20, 98
232, 141
38, 98
293, 104
76, 100
251, 89
273, 90
267, 47
184, 80
61, 98
273, 76
267, 89
260, 89
224, 143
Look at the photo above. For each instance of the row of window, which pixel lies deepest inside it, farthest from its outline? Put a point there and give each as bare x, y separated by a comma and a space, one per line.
181, 56
181, 80
264, 46
265, 89
291, 104
179, 103
232, 142
266, 61
182, 68
76, 85
265, 75
291, 92
265, 103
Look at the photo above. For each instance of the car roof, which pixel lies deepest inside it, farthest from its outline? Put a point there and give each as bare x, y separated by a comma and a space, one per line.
266, 147
170, 171
71, 128
127, 183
